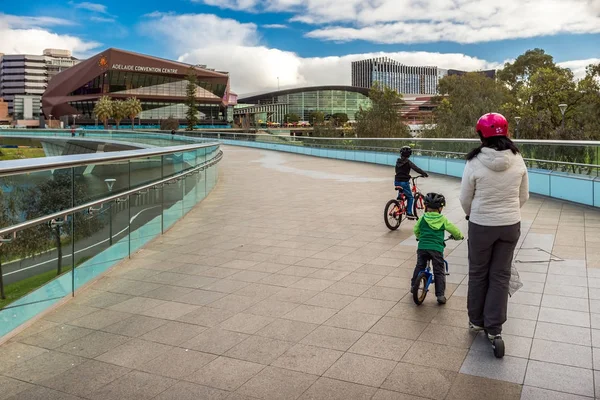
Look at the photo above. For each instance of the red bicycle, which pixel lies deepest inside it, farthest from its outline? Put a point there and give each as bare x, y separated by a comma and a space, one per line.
396, 210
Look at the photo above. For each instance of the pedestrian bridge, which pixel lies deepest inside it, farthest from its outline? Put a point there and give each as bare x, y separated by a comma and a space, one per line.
284, 283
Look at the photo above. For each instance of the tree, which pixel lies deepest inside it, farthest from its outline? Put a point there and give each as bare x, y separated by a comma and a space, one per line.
104, 110
169, 124
134, 108
462, 100
192, 111
316, 117
291, 118
120, 111
382, 118
54, 195
517, 74
339, 119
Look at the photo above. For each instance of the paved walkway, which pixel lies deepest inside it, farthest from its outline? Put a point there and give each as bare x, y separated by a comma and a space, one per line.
284, 283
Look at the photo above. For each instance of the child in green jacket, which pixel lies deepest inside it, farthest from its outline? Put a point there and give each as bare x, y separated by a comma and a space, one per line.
430, 230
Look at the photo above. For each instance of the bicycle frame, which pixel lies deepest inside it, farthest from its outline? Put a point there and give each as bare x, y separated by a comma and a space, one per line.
429, 274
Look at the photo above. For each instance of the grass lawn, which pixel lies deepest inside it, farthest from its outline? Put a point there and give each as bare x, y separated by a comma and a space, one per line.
16, 290
17, 154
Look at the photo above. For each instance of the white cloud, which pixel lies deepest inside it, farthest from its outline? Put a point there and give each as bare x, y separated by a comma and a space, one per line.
95, 7
275, 26
578, 66
190, 31
102, 19
228, 45
421, 21
28, 35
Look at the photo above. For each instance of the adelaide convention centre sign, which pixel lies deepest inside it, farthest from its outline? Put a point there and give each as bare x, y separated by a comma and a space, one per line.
140, 68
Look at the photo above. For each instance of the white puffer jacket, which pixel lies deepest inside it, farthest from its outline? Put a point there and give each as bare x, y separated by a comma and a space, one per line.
494, 188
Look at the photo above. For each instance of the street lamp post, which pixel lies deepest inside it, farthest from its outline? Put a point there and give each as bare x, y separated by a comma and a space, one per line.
110, 183
563, 108
74, 120
50, 120
518, 120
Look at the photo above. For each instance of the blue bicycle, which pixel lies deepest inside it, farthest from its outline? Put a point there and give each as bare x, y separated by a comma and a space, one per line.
424, 279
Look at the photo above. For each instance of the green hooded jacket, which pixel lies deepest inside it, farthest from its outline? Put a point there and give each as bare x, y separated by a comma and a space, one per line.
430, 229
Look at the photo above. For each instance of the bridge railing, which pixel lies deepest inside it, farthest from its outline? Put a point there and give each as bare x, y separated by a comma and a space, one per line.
65, 220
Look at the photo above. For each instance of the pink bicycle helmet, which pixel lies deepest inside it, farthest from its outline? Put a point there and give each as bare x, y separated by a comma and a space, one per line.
492, 124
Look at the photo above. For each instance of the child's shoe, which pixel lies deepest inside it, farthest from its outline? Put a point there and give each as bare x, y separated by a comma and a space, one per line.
441, 299
475, 328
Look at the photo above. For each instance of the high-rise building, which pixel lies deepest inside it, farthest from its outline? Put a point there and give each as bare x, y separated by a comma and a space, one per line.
28, 75
397, 76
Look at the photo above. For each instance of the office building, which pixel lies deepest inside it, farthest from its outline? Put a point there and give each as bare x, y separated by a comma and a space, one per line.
28, 75
405, 79
159, 84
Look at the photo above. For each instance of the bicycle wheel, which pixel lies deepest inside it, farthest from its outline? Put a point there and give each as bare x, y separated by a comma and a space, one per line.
418, 205
392, 214
420, 289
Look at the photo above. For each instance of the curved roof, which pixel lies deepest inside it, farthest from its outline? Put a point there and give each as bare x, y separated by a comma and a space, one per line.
250, 98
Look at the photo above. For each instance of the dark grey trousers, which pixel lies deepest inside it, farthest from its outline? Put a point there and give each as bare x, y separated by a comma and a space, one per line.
491, 251
439, 269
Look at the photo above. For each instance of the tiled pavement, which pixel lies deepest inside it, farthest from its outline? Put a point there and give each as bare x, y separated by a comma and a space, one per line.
284, 283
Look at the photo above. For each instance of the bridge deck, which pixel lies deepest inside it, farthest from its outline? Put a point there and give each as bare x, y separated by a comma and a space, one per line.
284, 283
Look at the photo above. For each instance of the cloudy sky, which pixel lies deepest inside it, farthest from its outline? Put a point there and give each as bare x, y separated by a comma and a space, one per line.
309, 42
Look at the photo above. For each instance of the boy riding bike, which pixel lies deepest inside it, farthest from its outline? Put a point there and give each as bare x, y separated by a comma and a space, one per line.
429, 231
402, 178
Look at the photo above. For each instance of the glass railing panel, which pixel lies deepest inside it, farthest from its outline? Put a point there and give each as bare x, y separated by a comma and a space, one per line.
36, 272
146, 216
172, 205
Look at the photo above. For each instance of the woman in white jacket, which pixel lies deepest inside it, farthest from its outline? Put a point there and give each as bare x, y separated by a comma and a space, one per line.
493, 190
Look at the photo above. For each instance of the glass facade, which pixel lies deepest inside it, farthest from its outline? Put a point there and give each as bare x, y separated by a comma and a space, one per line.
141, 85
274, 107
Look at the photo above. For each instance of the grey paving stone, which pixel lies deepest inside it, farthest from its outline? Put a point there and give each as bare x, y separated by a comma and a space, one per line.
42, 393
94, 344
443, 357
11, 387
225, 373
485, 365
277, 383
353, 320
13, 353
308, 359
562, 353
170, 310
85, 378
134, 353
93, 298
177, 363
174, 333
516, 346
200, 297
380, 346
420, 381
519, 327
565, 317
360, 369
399, 328
310, 314
136, 305
135, 326
370, 306
287, 330
468, 387
414, 313
234, 302
331, 389
560, 378
191, 391
69, 312
533, 393
207, 316
246, 323
55, 337
331, 300
167, 292
259, 349
447, 335
383, 394
332, 338
383, 293
43, 367
566, 303
133, 386
215, 341
271, 308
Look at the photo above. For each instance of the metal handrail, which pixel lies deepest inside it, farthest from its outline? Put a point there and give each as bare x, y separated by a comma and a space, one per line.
29, 165
12, 230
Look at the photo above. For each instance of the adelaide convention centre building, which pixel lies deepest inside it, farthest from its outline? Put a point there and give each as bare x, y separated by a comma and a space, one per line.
159, 84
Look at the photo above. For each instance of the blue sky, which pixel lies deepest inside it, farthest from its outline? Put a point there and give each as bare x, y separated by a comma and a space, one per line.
316, 40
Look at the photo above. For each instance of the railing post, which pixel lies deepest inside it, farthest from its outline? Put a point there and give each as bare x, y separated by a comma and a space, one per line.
72, 233
129, 213
162, 196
